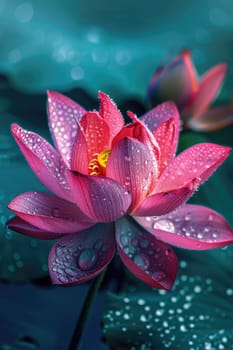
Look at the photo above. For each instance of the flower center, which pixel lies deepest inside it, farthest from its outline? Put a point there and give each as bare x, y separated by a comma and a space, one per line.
103, 157
97, 165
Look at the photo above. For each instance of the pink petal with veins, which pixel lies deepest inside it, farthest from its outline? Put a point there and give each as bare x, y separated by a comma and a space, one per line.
96, 133
197, 162
100, 198
167, 136
131, 164
149, 259
209, 87
165, 202
160, 114
139, 131
77, 258
44, 160
22, 226
64, 116
50, 213
111, 114
79, 155
191, 227
214, 119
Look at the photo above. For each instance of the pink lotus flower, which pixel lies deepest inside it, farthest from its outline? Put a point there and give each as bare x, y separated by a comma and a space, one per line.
178, 82
116, 185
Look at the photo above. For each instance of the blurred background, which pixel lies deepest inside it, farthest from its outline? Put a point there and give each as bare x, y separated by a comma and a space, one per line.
78, 48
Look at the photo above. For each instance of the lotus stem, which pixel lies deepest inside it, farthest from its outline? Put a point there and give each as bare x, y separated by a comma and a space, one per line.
75, 342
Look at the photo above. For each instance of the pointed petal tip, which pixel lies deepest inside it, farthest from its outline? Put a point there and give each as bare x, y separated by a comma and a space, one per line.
195, 163
21, 226
209, 87
102, 94
110, 113
14, 128
51, 93
222, 67
185, 52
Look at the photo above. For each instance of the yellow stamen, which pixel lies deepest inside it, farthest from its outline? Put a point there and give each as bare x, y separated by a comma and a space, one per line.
94, 167
98, 163
103, 158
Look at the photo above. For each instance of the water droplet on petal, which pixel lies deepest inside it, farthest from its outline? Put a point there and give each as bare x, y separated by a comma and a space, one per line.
124, 239
143, 243
87, 259
211, 217
164, 224
158, 276
142, 261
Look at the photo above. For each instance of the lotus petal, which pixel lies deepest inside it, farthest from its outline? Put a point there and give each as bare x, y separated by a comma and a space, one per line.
214, 119
131, 164
111, 114
49, 213
197, 162
22, 226
160, 114
190, 227
77, 258
209, 86
96, 133
176, 82
140, 132
44, 160
100, 198
167, 135
64, 116
147, 258
165, 202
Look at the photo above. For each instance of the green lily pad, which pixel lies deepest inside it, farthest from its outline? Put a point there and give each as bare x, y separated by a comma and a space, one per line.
197, 314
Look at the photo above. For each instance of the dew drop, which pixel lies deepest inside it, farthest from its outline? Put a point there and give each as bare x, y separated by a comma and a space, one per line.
211, 217
143, 318
197, 289
199, 235
183, 328
158, 276
87, 259
141, 302
164, 224
124, 239
229, 291
143, 243
159, 312
187, 217
142, 261
126, 316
